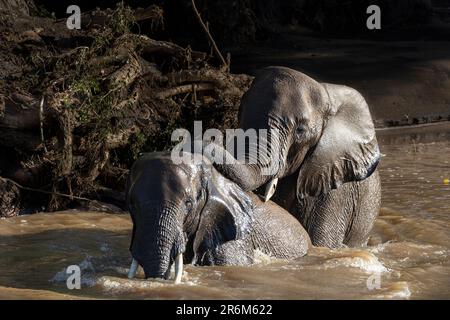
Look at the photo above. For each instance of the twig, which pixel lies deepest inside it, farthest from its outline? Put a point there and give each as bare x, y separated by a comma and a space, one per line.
47, 192
205, 28
41, 120
185, 89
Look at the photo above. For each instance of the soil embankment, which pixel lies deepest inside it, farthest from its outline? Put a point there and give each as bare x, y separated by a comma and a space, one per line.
404, 82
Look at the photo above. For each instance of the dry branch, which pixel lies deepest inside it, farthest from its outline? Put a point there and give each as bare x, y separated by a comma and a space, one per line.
185, 89
210, 38
151, 47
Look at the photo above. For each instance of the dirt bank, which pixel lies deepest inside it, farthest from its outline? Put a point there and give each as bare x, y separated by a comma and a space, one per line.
404, 82
77, 107
414, 134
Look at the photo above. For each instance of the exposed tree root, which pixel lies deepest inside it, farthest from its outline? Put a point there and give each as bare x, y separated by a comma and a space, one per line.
108, 95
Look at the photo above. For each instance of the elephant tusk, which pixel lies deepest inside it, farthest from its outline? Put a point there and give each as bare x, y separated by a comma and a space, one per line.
270, 189
133, 268
178, 268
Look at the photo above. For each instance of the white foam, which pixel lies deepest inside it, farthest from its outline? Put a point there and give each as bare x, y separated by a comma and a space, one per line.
263, 258
368, 263
118, 285
121, 284
397, 290
379, 248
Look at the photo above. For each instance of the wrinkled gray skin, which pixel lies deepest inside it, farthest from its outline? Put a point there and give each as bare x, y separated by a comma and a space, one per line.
194, 210
327, 154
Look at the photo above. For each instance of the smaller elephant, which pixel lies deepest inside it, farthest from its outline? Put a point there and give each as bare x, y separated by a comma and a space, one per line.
190, 213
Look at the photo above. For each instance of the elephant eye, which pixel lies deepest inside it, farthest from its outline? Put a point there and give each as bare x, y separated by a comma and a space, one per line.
189, 204
299, 131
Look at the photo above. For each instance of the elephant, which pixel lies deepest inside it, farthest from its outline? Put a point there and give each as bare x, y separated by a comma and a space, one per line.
322, 141
190, 213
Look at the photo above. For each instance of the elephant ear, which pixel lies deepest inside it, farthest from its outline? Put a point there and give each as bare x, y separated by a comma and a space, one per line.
227, 214
348, 148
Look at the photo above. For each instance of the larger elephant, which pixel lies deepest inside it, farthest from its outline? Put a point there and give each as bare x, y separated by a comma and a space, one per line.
190, 213
326, 154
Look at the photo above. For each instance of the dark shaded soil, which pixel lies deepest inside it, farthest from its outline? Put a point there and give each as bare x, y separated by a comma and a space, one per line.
404, 82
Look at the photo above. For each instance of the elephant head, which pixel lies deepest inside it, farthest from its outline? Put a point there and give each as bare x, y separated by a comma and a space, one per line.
179, 212
322, 131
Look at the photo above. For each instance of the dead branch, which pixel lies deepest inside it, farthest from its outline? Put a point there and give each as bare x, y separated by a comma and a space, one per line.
127, 73
45, 191
41, 122
151, 47
194, 87
66, 141
210, 38
150, 13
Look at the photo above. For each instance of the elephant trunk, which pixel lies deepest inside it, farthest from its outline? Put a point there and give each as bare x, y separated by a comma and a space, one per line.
158, 243
261, 164
247, 176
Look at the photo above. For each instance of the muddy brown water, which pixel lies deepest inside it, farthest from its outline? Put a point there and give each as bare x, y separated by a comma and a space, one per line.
408, 256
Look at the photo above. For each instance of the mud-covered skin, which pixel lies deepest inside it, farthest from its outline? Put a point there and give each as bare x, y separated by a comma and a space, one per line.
192, 209
326, 152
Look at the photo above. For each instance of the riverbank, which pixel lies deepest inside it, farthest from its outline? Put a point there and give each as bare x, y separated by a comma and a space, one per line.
413, 134
405, 82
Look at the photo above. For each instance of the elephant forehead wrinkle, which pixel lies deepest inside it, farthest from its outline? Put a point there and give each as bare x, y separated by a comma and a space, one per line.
279, 121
